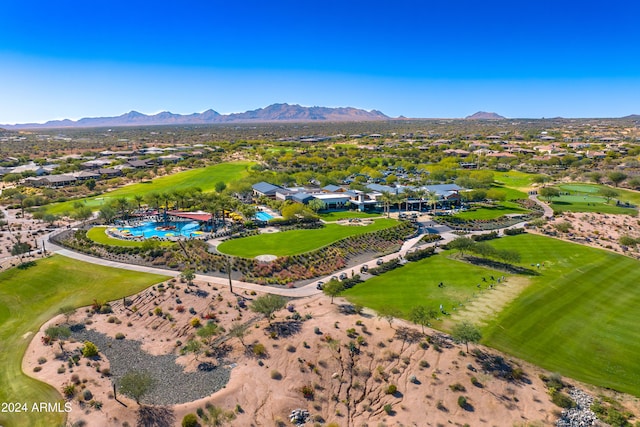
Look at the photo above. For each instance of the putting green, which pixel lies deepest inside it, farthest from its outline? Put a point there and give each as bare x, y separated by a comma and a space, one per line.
297, 241
30, 297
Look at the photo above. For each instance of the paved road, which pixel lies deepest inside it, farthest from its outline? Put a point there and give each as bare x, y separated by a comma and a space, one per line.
302, 291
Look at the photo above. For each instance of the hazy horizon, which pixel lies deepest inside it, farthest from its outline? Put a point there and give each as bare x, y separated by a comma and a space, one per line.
418, 60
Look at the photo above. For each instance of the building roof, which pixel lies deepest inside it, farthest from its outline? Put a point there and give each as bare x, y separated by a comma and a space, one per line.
196, 216
266, 188
59, 178
331, 188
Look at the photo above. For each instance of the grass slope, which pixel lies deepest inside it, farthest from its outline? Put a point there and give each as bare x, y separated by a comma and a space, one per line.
30, 297
579, 317
297, 241
203, 178
492, 212
417, 284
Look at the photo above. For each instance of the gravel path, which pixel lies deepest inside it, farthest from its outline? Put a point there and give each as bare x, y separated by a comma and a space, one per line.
172, 384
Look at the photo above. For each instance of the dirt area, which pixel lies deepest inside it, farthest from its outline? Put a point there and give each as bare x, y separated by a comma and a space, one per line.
601, 231
345, 364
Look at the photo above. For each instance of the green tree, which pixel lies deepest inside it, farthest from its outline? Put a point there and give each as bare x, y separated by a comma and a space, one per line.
466, 332
421, 315
67, 311
316, 205
333, 288
595, 177
549, 193
220, 186
193, 346
268, 304
90, 184
188, 275
208, 331
107, 214
608, 193
136, 384
616, 177
238, 330
461, 244
388, 313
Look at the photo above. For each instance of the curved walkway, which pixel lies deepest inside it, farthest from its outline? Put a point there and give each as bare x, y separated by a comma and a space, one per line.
548, 212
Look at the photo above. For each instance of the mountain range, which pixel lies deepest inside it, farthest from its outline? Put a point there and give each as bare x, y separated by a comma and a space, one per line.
272, 113
483, 115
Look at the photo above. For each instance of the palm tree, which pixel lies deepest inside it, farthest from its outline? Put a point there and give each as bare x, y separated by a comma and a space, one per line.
138, 199
386, 199
433, 200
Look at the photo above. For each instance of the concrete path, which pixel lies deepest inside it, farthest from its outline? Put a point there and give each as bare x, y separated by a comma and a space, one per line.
548, 212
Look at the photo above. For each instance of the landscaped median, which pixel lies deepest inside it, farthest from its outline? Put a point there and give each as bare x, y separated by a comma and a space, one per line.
28, 298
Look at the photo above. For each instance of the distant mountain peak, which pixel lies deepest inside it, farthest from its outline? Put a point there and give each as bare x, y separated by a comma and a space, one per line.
483, 115
272, 113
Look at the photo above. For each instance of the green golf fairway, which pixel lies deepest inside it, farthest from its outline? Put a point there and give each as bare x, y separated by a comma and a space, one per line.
417, 284
203, 178
579, 317
30, 297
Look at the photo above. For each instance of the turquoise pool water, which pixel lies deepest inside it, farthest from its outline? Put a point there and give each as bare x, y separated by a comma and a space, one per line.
163, 229
263, 216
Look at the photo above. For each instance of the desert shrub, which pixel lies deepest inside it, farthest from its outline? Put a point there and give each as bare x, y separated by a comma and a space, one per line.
157, 311
423, 364
275, 375
195, 322
259, 350
190, 420
562, 400
475, 382
37, 368
42, 360
69, 390
307, 392
119, 336
87, 395
388, 409
391, 389
89, 349
514, 231
462, 402
457, 387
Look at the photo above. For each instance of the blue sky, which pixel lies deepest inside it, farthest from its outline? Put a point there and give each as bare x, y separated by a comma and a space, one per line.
449, 58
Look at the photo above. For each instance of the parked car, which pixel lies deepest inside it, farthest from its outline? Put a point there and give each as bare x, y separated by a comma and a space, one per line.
343, 276
320, 285
379, 261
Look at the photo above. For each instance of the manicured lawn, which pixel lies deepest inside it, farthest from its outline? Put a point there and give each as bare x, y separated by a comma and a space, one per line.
501, 208
584, 198
98, 235
203, 178
514, 179
297, 241
30, 297
579, 318
417, 284
335, 216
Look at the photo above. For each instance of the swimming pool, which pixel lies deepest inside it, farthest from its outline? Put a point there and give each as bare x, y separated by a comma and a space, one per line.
162, 229
263, 216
